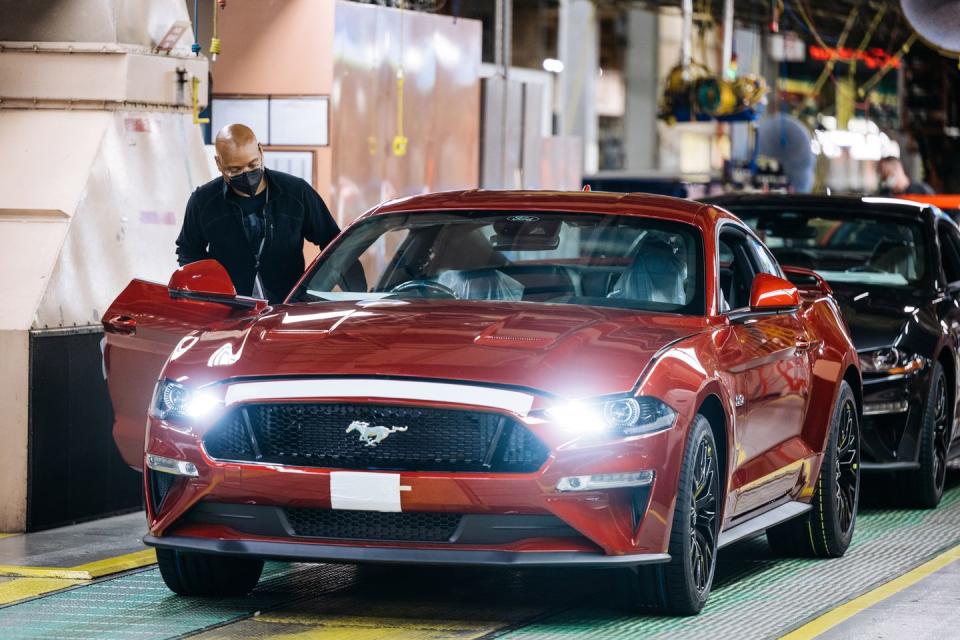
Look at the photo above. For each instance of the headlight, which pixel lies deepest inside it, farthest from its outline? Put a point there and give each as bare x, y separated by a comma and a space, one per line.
890, 361
174, 400
628, 416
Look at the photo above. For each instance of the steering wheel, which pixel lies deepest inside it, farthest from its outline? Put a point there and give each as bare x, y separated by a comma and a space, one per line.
429, 289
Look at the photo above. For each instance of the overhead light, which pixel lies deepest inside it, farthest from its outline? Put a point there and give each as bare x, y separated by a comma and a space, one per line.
553, 65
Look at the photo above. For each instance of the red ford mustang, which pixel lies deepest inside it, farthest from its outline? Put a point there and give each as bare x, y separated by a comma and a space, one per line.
494, 378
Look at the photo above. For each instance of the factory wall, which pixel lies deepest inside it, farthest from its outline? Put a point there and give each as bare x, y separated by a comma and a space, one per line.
281, 48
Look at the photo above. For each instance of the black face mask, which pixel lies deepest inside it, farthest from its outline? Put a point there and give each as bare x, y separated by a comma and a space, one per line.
247, 182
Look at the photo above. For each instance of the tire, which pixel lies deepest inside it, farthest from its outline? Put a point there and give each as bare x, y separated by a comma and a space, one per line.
925, 485
199, 574
827, 529
681, 586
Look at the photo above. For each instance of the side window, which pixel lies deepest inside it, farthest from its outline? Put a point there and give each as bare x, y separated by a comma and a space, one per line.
949, 252
764, 261
736, 271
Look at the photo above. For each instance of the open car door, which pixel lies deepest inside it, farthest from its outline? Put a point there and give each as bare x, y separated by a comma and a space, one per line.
144, 325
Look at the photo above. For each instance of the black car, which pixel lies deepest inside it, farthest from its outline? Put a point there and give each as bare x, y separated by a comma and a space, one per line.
894, 267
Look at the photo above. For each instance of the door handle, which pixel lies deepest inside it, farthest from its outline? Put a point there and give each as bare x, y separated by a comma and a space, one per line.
122, 324
805, 345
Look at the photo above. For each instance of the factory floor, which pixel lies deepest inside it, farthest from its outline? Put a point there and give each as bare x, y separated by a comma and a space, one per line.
900, 578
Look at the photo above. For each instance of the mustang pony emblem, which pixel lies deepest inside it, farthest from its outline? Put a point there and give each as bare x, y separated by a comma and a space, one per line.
372, 436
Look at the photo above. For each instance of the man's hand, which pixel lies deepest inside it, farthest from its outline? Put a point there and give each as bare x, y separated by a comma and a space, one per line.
222, 4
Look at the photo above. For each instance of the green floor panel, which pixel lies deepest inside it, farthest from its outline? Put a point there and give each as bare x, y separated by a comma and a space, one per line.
140, 606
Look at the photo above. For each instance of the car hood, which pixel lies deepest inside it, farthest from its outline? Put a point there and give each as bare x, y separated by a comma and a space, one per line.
877, 316
567, 350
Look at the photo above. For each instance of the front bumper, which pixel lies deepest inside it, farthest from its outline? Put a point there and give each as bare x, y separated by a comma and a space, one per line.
891, 435
313, 552
619, 526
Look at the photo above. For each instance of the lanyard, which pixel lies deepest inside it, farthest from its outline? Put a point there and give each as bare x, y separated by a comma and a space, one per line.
257, 283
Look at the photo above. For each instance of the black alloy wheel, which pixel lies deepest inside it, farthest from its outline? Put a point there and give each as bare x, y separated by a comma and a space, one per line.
682, 585
941, 429
703, 515
826, 530
846, 467
926, 486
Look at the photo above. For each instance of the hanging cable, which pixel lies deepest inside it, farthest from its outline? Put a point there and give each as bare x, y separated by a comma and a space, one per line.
865, 41
834, 53
215, 40
399, 145
195, 47
889, 64
812, 29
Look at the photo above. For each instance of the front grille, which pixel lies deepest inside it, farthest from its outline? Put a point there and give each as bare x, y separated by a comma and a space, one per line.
423, 439
373, 525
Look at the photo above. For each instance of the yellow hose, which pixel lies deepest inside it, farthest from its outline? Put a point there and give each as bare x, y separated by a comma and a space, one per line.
215, 40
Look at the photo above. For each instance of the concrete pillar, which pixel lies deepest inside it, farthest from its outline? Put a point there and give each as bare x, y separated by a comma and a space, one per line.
13, 429
640, 119
578, 45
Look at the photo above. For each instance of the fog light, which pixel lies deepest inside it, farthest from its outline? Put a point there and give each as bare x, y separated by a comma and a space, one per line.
605, 481
169, 465
877, 408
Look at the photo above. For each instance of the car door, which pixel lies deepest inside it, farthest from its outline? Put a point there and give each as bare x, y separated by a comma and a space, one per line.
141, 329
765, 357
949, 304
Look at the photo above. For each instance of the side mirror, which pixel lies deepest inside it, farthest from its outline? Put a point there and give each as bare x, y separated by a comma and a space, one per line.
770, 293
208, 281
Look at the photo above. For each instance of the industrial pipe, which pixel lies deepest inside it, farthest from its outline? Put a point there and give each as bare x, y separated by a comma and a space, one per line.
727, 38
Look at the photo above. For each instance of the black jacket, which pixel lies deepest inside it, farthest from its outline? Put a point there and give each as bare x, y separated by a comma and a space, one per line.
213, 228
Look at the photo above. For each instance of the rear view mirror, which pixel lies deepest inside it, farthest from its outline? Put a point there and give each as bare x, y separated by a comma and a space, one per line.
524, 243
770, 293
788, 226
526, 233
208, 281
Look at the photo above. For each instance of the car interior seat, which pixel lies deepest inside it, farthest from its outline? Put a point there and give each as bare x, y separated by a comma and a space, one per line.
482, 284
894, 256
656, 275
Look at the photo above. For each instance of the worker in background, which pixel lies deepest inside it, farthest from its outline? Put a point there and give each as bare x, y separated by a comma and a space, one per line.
894, 181
253, 221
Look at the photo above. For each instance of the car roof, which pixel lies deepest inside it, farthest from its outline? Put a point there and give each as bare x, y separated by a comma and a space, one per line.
853, 204
639, 204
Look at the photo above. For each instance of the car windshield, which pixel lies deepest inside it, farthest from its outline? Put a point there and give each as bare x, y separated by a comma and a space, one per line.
548, 257
844, 247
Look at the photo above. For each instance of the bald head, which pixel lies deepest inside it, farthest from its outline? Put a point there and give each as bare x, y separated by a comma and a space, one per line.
235, 135
238, 153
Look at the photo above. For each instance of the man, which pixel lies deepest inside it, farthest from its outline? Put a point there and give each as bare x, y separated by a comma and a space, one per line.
253, 221
895, 182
